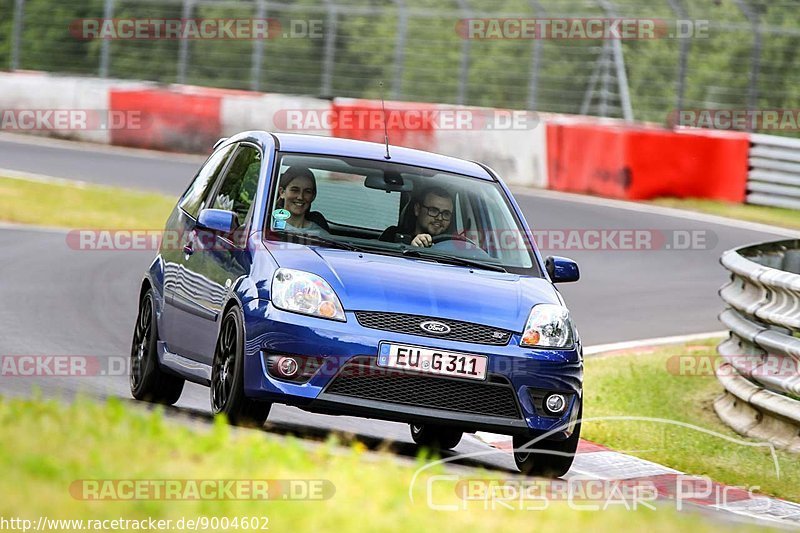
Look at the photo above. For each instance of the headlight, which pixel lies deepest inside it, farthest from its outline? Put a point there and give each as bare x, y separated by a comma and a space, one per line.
306, 293
548, 326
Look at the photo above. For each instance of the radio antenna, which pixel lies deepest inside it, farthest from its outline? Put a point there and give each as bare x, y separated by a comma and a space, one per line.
385, 129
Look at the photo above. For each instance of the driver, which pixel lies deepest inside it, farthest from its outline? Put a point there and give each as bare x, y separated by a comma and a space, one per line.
434, 211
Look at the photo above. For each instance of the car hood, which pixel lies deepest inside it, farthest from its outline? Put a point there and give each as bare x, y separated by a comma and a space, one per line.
374, 282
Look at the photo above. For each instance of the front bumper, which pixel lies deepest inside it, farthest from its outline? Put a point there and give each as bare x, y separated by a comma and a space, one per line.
520, 370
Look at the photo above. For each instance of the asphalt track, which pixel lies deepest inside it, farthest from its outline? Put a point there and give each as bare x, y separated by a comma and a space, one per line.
60, 301
623, 294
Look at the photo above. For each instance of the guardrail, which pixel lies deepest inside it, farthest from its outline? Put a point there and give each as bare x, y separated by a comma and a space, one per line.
774, 175
761, 365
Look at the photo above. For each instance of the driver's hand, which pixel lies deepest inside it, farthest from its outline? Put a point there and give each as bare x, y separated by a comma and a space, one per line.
423, 240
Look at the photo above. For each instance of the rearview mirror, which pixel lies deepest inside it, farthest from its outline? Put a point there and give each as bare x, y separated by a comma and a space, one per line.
561, 269
218, 220
390, 181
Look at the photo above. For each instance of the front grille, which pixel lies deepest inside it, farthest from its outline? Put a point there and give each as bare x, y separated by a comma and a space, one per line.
410, 324
362, 378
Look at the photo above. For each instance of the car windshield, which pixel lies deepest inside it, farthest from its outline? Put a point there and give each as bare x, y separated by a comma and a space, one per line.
390, 208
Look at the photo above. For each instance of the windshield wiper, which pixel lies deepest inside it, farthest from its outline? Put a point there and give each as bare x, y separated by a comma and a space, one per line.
453, 260
312, 238
317, 239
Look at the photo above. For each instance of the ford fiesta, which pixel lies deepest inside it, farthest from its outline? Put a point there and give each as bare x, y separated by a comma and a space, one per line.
352, 278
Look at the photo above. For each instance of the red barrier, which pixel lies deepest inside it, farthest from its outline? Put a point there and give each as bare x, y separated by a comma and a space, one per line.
408, 125
638, 163
172, 120
587, 159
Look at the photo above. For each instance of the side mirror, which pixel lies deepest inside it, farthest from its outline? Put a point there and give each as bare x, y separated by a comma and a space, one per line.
561, 269
218, 220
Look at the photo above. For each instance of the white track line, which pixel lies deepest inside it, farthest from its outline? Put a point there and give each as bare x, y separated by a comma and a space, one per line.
599, 349
69, 182
656, 210
4, 226
42, 178
518, 190
656, 341
83, 146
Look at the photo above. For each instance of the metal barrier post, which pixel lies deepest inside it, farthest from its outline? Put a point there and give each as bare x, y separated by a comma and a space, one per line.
258, 50
399, 49
619, 66
16, 35
683, 58
105, 46
755, 66
183, 49
463, 72
329, 57
536, 58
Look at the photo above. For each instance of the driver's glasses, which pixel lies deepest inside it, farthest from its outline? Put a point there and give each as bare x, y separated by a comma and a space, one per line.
435, 212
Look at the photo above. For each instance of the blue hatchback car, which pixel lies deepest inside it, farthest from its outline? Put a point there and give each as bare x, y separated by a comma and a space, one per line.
354, 278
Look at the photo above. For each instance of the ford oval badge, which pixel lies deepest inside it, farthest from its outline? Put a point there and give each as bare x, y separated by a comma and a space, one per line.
431, 326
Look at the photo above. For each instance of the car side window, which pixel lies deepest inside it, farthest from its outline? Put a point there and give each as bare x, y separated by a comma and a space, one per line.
238, 187
193, 198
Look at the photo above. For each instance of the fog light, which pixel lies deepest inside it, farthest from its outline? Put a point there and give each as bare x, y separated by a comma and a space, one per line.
287, 367
555, 404
291, 367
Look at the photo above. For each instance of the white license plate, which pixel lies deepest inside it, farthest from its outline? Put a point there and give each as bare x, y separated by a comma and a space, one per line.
432, 361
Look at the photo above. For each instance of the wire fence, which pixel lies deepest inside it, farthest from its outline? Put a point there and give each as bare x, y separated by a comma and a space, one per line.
706, 54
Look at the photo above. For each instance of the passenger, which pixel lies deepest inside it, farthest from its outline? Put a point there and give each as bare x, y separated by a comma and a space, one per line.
297, 189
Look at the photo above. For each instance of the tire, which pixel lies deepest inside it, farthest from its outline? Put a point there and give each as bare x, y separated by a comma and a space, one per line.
435, 436
148, 381
548, 458
227, 377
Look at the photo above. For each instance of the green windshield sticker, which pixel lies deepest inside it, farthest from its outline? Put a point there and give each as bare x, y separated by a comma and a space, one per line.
281, 214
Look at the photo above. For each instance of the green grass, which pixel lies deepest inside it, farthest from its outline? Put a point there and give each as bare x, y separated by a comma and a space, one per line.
46, 446
776, 216
640, 384
86, 207
94, 206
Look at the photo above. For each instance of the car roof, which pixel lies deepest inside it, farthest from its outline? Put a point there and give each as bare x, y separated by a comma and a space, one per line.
319, 144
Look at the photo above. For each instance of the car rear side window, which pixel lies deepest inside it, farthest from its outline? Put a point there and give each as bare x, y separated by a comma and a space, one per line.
344, 200
194, 197
238, 187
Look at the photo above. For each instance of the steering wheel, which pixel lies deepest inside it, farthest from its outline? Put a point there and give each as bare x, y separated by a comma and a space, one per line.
444, 237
